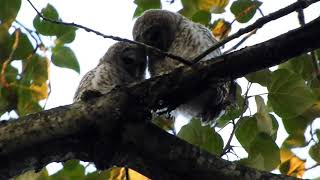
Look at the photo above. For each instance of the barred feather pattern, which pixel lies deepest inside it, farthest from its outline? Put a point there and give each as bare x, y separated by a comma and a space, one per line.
123, 63
176, 34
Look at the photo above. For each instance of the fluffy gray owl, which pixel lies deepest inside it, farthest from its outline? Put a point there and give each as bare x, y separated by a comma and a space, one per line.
176, 34
123, 63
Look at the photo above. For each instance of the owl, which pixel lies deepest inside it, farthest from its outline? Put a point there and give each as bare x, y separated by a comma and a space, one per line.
173, 33
123, 63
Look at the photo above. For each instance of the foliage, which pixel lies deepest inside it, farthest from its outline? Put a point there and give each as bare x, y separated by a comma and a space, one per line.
293, 89
23, 88
203, 136
293, 95
72, 169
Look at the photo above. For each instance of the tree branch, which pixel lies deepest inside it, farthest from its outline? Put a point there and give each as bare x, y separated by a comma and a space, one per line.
301, 4
95, 130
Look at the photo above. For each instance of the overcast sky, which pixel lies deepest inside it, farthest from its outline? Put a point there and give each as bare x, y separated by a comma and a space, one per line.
115, 18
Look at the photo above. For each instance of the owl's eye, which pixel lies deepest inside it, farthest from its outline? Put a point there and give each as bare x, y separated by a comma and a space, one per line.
157, 36
128, 60
152, 36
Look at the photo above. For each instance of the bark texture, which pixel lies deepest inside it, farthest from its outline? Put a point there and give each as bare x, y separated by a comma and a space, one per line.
114, 128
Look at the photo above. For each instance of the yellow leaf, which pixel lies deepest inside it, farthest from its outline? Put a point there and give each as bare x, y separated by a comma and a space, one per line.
296, 165
39, 92
134, 175
119, 173
285, 154
221, 28
213, 6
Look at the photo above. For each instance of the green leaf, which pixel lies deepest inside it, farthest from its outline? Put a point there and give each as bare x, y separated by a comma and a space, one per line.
317, 132
63, 56
296, 125
72, 169
256, 162
318, 53
295, 140
98, 175
301, 65
234, 111
262, 77
8, 96
314, 152
203, 136
36, 69
4, 102
4, 41
189, 8
8, 11
143, 5
244, 10
275, 127
66, 34
264, 121
32, 175
264, 148
11, 73
26, 103
4, 34
202, 17
24, 48
246, 131
288, 94
44, 27
32, 86
71, 165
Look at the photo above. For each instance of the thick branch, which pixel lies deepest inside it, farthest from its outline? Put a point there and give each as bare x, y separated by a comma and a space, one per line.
94, 130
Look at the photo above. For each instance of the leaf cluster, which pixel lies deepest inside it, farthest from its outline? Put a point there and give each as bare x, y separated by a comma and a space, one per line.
24, 62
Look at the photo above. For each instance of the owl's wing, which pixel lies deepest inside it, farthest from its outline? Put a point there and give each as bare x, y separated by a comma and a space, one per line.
208, 41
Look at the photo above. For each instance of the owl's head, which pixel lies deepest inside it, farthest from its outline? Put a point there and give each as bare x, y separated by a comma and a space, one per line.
129, 57
157, 28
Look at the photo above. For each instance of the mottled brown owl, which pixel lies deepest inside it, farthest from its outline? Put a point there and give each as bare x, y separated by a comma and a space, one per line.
171, 32
123, 63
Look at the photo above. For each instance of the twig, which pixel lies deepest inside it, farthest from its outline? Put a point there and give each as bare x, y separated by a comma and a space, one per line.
241, 42
311, 167
260, 11
37, 40
301, 18
261, 94
127, 172
154, 49
227, 147
49, 93
90, 163
246, 37
258, 24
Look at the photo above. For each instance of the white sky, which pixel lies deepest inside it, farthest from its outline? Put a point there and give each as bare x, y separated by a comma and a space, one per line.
115, 18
